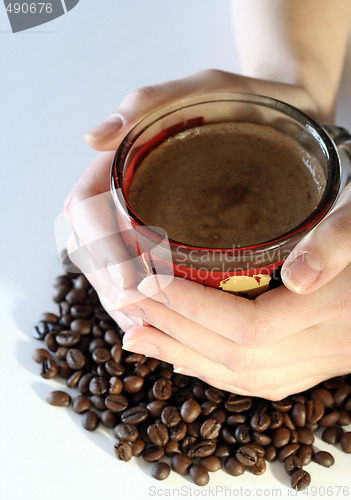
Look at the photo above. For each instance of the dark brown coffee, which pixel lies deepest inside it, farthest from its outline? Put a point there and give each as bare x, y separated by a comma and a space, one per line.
226, 184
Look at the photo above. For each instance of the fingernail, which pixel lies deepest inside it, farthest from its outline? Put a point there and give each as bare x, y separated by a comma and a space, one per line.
141, 347
151, 287
303, 272
106, 128
137, 321
131, 309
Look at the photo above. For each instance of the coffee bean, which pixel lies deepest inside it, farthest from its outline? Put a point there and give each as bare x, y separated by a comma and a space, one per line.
246, 455
153, 453
280, 437
276, 419
214, 395
170, 416
171, 448
330, 419
298, 414
58, 398
324, 458
84, 381
101, 354
90, 420
288, 423
133, 383
51, 342
292, 464
287, 450
82, 311
160, 471
134, 415
233, 466
64, 370
270, 453
208, 407
158, 434
261, 438
228, 435
81, 404
181, 464
210, 429
238, 404
114, 369
49, 369
242, 434
123, 450
61, 280
305, 436
332, 435
61, 353
76, 296
162, 389
190, 410
40, 355
300, 480
314, 410
345, 442
305, 454
75, 359
138, 446
98, 402
112, 337
344, 418
199, 475
155, 408
73, 379
178, 432
116, 403
203, 448
260, 422
108, 419
324, 396
60, 293
67, 338
234, 420
126, 432
259, 467
98, 385
219, 415
284, 405
212, 463
81, 282
223, 450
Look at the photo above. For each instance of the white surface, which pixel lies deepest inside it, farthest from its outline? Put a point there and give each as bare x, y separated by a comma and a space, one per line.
57, 81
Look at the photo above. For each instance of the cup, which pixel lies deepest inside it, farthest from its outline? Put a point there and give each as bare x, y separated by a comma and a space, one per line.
249, 270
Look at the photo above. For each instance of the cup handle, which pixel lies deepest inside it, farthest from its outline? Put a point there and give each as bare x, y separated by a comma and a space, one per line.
342, 140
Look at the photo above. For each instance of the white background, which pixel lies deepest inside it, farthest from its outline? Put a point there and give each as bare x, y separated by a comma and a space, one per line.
57, 81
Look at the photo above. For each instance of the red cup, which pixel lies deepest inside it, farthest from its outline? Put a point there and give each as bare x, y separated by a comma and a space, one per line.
248, 270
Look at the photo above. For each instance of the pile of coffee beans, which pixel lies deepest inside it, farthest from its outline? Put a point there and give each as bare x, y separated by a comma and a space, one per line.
155, 413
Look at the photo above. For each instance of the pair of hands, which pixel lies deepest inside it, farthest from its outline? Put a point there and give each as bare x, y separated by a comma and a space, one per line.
285, 341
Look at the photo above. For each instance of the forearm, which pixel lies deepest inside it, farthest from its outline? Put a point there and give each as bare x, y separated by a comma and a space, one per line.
301, 42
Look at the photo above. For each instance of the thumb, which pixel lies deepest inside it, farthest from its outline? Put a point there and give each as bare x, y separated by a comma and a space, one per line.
324, 252
138, 103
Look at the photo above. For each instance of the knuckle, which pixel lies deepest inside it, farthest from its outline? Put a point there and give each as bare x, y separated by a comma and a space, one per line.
238, 360
340, 231
256, 333
252, 383
70, 201
142, 93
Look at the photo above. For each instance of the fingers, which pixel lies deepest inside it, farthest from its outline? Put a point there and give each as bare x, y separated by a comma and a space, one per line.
96, 246
324, 253
220, 349
108, 134
272, 383
272, 316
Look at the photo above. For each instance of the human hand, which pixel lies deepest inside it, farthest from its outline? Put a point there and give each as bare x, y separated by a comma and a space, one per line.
287, 340
90, 227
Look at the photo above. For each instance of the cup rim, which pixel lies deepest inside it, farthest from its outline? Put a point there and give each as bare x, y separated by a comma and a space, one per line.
324, 140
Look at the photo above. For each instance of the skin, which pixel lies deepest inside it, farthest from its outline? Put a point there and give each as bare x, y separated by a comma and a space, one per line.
289, 338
